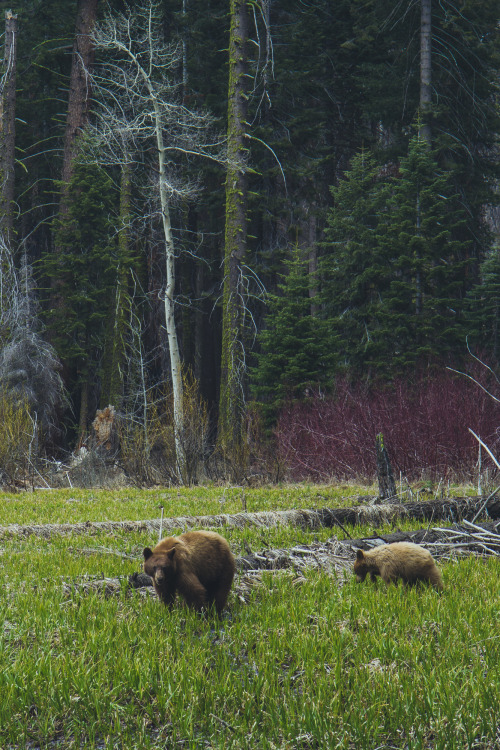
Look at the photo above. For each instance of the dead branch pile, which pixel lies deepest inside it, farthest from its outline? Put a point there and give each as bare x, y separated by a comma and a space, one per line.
464, 538
453, 509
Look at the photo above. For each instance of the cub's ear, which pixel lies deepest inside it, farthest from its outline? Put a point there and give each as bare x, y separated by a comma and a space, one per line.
147, 553
360, 555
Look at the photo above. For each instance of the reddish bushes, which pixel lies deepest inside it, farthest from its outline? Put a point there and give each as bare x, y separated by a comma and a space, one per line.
425, 429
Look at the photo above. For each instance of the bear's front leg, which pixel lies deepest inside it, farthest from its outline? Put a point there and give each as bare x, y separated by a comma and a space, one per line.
166, 594
192, 590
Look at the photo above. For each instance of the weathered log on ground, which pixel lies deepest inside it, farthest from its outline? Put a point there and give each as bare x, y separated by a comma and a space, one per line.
452, 509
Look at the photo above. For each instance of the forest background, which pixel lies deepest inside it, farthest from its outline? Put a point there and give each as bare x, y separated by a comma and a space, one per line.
260, 232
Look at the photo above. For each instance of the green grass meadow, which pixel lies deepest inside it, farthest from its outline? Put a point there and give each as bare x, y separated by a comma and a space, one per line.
308, 661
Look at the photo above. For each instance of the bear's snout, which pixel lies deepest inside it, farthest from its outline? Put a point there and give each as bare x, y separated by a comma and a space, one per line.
159, 575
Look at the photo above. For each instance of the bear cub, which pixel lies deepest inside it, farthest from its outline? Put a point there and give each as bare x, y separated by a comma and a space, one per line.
197, 564
403, 560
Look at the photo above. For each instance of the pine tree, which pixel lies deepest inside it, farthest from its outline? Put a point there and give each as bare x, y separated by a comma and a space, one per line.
354, 268
482, 326
295, 356
421, 236
394, 268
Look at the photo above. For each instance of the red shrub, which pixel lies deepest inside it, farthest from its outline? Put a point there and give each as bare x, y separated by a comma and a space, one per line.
425, 428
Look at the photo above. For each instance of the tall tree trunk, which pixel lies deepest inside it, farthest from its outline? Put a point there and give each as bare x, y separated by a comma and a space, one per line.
7, 126
198, 325
313, 260
231, 404
418, 261
83, 419
169, 300
425, 114
77, 114
79, 85
114, 353
425, 68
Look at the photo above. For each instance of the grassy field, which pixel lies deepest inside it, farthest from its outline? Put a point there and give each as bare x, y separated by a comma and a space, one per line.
309, 661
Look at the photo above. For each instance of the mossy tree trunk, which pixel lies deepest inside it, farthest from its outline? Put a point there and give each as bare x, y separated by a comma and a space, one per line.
7, 126
231, 403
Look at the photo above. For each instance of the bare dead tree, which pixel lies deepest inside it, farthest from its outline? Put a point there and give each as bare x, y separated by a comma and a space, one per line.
29, 366
7, 124
138, 102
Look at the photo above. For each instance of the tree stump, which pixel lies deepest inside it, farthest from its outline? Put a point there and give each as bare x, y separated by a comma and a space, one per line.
105, 437
386, 485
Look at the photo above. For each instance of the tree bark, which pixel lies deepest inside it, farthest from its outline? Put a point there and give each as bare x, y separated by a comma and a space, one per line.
114, 353
425, 68
7, 126
79, 85
231, 402
169, 300
313, 264
386, 486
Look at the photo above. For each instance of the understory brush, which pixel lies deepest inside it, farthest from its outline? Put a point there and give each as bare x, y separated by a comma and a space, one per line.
425, 427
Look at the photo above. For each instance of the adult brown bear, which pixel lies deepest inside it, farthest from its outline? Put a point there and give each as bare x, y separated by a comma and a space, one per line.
198, 564
403, 560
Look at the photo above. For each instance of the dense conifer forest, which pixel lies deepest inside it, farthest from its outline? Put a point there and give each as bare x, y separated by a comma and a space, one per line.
224, 220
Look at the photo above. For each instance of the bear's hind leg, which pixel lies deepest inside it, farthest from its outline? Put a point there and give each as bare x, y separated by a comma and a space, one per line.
221, 596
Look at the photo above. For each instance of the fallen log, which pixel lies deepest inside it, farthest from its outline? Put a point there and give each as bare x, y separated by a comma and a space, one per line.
452, 509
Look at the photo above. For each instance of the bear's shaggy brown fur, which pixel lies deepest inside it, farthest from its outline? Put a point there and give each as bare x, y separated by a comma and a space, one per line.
403, 560
198, 564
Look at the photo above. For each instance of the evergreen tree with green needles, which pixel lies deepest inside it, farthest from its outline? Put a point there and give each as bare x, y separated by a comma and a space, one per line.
295, 356
85, 270
355, 269
482, 326
422, 237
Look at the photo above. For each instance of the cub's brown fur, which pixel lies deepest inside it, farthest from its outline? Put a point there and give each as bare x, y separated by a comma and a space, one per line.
198, 564
402, 560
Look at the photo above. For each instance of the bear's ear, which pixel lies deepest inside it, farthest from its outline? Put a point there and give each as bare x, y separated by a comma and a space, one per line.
360, 555
171, 553
147, 553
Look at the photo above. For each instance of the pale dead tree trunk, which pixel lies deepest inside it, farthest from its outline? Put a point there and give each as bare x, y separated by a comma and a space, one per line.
173, 343
136, 96
79, 84
7, 126
425, 68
